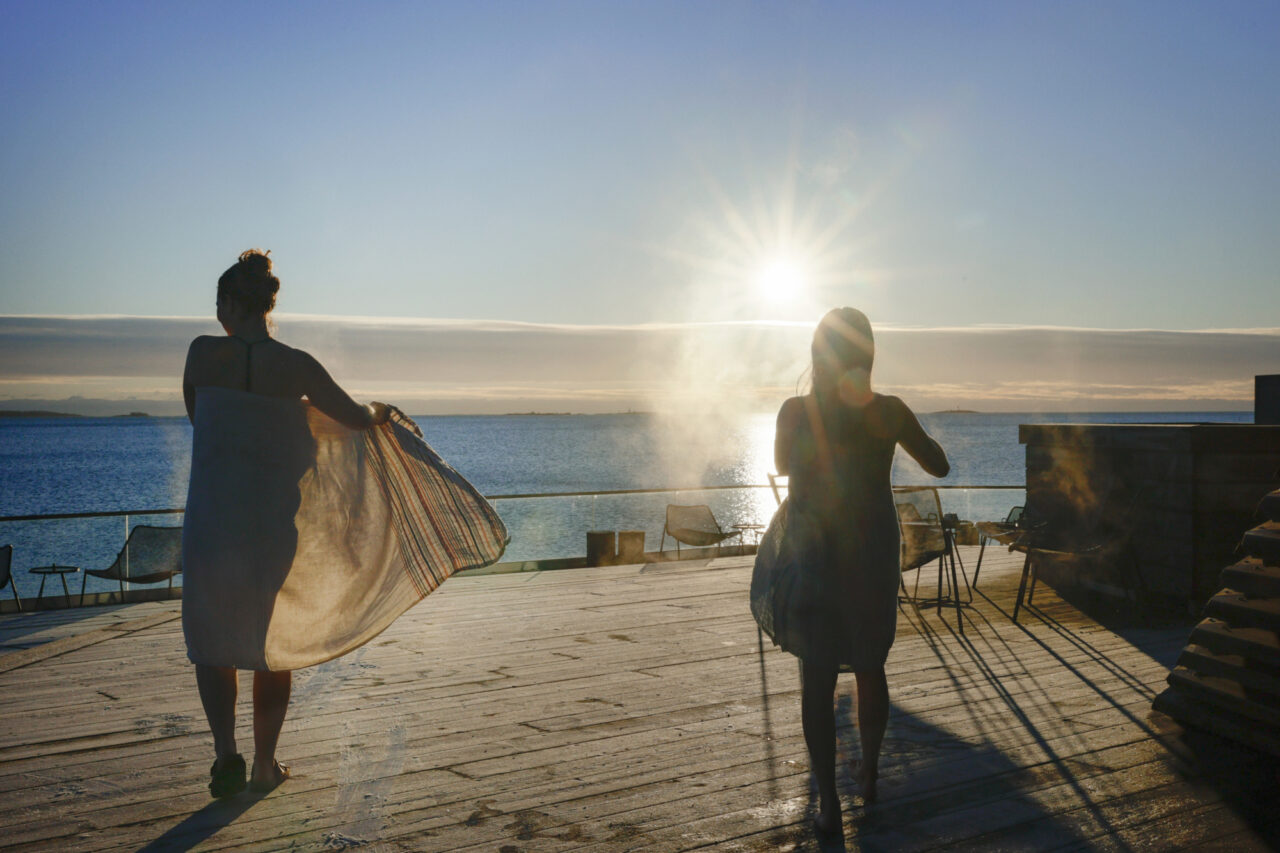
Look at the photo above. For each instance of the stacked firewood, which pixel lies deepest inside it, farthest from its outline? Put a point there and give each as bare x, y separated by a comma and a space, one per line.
1227, 679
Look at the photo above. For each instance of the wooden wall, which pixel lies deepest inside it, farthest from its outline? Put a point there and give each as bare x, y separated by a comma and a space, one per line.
1187, 491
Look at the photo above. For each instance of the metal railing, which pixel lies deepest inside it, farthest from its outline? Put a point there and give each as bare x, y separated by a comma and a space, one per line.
515, 496
544, 525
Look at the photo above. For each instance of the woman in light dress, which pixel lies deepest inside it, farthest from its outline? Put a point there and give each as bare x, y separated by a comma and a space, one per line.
249, 359
838, 610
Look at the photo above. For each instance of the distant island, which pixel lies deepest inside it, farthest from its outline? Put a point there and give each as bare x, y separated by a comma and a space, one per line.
555, 414
36, 413
957, 412
4, 413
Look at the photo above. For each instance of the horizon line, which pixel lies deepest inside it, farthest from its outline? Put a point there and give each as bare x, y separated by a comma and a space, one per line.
480, 323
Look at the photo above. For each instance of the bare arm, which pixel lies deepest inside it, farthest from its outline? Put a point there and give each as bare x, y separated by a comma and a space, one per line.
327, 396
788, 419
917, 442
188, 386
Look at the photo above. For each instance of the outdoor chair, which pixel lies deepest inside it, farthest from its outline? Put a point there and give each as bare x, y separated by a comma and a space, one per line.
150, 555
6, 573
925, 539
1005, 532
695, 526
1101, 536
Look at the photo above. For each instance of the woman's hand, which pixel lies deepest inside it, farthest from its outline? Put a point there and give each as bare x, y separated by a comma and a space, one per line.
380, 413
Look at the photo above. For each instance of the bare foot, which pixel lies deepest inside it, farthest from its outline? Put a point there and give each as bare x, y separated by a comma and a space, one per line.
866, 779
827, 821
267, 777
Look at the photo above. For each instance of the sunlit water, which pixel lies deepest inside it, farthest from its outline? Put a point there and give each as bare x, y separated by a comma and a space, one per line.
106, 464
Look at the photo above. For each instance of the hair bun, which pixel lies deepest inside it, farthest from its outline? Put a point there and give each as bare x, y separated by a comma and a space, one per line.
257, 261
250, 282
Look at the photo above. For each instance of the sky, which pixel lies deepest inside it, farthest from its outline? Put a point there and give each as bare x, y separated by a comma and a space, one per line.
587, 206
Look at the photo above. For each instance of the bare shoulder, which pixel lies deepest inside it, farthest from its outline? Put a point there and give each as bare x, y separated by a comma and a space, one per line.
791, 410
889, 414
203, 343
301, 360
790, 416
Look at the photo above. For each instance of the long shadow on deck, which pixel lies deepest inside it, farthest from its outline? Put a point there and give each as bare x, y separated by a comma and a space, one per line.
201, 826
1246, 781
937, 790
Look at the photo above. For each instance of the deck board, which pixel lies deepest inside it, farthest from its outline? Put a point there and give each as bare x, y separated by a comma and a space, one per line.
619, 708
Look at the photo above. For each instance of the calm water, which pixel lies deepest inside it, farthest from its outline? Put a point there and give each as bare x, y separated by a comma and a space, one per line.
102, 464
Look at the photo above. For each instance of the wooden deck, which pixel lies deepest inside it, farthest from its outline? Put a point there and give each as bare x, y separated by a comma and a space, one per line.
616, 709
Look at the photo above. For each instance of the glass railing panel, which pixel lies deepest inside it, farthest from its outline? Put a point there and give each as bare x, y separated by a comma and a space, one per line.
542, 528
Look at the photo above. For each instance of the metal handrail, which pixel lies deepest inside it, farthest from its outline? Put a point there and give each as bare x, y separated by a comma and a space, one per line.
119, 513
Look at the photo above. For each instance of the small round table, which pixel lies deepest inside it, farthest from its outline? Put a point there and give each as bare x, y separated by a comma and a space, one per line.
60, 571
753, 529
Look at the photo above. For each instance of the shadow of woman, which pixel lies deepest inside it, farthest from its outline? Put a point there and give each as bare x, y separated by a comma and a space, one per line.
200, 826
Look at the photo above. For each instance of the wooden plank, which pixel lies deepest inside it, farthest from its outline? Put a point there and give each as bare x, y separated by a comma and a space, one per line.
1258, 644
1263, 542
1226, 694
1244, 612
616, 708
1234, 667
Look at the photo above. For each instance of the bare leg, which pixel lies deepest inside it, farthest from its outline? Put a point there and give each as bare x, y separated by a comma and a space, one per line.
270, 703
818, 715
873, 717
218, 686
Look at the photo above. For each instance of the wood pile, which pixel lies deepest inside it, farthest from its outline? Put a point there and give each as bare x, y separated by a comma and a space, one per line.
1227, 679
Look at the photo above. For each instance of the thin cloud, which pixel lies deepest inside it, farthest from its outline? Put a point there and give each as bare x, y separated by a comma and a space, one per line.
475, 365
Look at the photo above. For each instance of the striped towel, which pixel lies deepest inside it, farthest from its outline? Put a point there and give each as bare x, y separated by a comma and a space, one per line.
303, 539
442, 523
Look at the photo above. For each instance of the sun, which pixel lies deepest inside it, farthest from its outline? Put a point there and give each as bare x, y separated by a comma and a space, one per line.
779, 280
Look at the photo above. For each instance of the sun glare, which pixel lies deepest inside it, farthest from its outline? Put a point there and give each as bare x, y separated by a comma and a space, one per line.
779, 280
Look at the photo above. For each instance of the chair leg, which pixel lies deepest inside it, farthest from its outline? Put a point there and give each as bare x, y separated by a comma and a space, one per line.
13, 587
955, 593
902, 582
121, 590
84, 581
982, 547
941, 572
1022, 586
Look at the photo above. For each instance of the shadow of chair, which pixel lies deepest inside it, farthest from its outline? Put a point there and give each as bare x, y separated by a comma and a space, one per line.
926, 538
151, 554
6, 573
695, 526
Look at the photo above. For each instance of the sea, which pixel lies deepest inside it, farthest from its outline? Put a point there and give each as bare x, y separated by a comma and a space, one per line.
141, 464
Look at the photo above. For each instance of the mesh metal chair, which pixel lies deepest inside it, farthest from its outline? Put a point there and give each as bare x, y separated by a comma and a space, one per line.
926, 538
1101, 540
6, 573
150, 555
1005, 532
695, 526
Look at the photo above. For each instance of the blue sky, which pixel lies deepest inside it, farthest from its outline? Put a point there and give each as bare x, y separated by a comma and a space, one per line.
940, 165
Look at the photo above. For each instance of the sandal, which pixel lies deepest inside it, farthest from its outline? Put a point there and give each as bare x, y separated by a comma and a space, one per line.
227, 777
280, 771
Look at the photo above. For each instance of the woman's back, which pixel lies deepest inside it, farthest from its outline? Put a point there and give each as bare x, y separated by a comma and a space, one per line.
264, 366
836, 463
